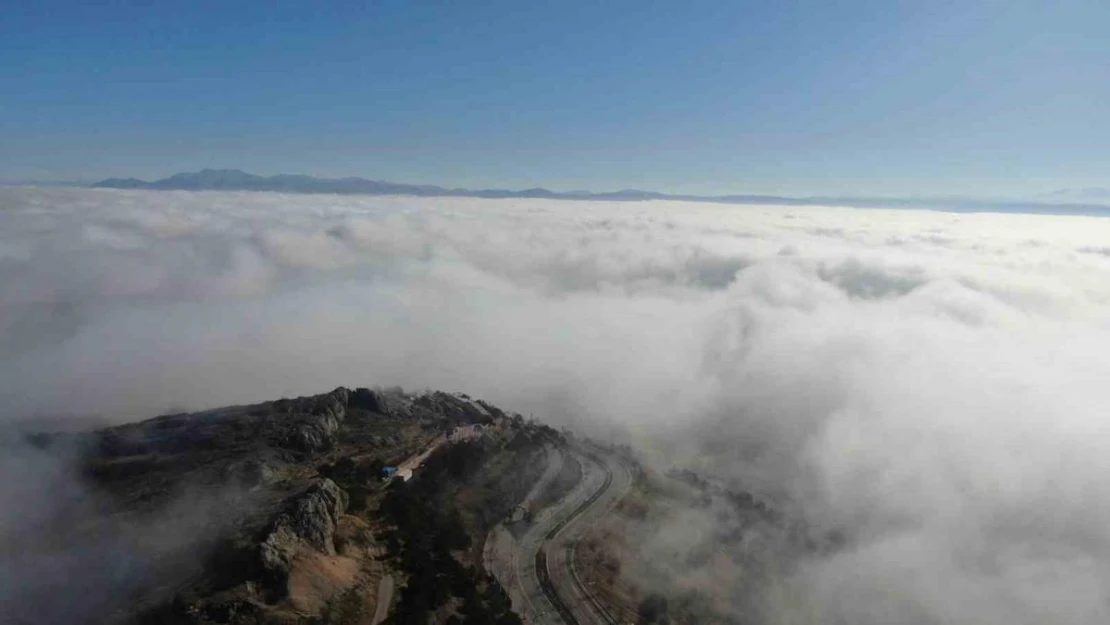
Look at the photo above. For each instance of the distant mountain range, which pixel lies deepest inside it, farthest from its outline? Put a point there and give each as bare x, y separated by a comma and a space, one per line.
237, 180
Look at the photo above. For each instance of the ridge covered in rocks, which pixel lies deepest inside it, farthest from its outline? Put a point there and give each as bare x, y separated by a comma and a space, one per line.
270, 512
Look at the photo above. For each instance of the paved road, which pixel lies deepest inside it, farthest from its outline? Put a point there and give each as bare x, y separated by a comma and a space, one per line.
554, 459
542, 550
510, 560
385, 597
560, 550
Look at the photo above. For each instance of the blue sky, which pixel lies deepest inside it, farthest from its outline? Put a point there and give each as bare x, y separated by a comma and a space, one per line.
874, 98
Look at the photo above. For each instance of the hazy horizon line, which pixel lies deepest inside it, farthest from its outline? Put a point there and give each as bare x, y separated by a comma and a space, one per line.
1051, 202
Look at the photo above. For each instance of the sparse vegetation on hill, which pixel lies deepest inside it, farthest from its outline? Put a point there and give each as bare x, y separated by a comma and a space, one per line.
650, 561
269, 513
461, 491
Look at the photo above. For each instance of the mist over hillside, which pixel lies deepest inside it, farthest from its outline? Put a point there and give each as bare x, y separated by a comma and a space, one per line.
928, 385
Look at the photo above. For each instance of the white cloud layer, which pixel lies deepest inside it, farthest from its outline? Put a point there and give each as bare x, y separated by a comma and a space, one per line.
932, 384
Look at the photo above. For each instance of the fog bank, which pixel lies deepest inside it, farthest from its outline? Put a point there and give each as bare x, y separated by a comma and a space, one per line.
931, 384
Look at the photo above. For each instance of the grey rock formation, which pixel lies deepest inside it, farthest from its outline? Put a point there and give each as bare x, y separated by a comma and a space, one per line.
317, 420
460, 407
308, 522
317, 434
365, 399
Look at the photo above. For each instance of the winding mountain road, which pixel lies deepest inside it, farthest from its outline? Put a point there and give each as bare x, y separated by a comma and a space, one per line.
537, 571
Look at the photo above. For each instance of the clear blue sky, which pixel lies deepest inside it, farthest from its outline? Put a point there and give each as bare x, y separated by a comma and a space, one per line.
887, 98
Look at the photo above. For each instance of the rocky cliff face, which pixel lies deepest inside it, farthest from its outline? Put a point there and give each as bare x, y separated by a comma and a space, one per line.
309, 521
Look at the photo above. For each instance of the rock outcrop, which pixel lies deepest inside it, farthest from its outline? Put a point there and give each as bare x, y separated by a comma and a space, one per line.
308, 522
365, 399
317, 420
458, 406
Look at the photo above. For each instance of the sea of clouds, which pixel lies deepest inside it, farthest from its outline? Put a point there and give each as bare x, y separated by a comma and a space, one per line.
933, 386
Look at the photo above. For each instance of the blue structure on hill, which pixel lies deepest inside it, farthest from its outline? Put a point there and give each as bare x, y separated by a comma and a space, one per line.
388, 472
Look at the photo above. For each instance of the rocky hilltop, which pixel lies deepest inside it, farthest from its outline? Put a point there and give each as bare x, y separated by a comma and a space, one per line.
279, 512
